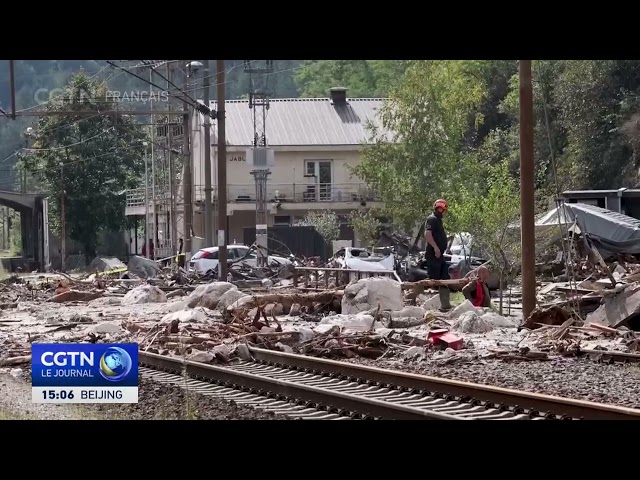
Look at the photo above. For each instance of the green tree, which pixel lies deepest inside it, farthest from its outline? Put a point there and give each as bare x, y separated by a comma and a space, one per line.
95, 156
429, 114
326, 224
487, 209
366, 226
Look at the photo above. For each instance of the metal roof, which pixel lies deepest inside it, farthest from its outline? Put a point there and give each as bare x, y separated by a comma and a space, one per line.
304, 121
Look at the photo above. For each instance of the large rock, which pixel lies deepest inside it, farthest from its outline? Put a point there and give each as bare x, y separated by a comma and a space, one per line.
209, 295
105, 264
228, 298
144, 294
367, 293
465, 307
471, 322
143, 267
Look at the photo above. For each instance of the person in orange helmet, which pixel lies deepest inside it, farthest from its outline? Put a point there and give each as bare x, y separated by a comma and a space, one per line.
436, 238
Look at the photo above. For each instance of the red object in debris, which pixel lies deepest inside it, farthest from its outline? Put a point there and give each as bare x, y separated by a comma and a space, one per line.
443, 335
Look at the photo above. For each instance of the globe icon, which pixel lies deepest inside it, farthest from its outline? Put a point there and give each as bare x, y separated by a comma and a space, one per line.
115, 364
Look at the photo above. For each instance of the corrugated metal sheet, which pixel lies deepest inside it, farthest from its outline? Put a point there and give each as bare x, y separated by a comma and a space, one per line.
304, 121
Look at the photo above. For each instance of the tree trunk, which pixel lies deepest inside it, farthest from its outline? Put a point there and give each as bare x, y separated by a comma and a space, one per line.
500, 290
89, 253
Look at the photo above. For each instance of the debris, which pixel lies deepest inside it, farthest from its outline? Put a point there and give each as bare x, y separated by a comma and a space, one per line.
465, 307
11, 361
444, 337
176, 293
229, 298
209, 295
75, 296
143, 267
106, 264
185, 316
327, 298
433, 303
144, 294
357, 323
367, 293
618, 309
471, 322
553, 315
414, 353
243, 352
107, 327
498, 321
201, 357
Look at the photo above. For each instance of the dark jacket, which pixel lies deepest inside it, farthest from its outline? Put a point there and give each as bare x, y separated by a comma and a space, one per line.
469, 292
434, 225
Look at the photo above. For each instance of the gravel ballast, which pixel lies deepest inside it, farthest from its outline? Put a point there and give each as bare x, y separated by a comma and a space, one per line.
157, 401
160, 401
582, 379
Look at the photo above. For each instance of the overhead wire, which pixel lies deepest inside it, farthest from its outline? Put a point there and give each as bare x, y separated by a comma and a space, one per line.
561, 210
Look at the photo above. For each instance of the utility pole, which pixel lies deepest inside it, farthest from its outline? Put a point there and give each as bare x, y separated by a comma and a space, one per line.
154, 218
63, 226
222, 173
12, 86
172, 183
186, 181
527, 212
146, 201
208, 232
260, 157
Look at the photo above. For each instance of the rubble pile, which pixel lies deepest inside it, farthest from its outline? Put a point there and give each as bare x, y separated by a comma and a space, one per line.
170, 311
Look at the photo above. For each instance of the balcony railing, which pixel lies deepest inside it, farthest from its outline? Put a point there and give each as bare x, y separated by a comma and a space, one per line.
135, 198
280, 192
297, 193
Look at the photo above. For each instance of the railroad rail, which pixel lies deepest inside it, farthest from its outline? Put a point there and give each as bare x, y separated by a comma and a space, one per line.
309, 387
610, 356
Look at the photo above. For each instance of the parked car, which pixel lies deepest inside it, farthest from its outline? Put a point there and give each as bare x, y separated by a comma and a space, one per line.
207, 258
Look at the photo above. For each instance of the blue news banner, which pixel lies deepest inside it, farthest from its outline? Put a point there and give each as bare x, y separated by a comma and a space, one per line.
84, 373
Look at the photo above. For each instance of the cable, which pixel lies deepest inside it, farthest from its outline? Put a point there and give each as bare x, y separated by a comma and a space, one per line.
560, 206
67, 146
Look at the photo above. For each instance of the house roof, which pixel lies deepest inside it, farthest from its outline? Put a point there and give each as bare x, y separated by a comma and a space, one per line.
304, 121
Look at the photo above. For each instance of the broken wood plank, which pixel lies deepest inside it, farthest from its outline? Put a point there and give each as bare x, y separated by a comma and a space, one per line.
429, 283
11, 361
286, 300
75, 296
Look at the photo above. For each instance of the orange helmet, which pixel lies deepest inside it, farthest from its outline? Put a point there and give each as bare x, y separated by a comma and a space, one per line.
441, 204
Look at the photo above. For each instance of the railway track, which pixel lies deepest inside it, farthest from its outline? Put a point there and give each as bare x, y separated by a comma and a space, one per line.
313, 388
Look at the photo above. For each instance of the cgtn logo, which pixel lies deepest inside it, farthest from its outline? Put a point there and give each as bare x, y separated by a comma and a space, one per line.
115, 364
84, 373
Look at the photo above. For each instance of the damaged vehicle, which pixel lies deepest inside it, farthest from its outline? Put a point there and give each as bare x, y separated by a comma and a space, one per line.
206, 259
353, 258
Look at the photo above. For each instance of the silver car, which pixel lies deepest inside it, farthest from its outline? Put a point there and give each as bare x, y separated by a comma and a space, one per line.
207, 258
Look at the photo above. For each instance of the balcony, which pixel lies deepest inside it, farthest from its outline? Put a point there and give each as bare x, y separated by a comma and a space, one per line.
284, 193
135, 200
297, 193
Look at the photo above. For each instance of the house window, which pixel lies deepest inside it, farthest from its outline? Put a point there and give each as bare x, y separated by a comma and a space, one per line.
281, 220
310, 168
